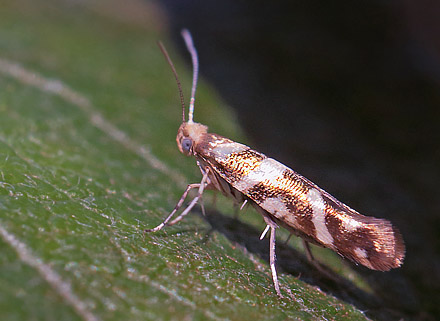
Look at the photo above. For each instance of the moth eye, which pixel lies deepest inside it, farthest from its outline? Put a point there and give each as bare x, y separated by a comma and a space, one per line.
186, 144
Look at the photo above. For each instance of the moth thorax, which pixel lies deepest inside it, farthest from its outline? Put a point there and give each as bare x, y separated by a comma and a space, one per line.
189, 135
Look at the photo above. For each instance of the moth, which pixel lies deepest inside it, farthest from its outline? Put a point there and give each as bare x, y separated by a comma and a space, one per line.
282, 196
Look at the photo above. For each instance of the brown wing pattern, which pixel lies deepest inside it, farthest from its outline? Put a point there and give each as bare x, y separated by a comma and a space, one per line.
302, 206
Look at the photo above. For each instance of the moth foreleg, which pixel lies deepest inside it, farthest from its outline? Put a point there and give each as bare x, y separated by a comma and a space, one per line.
176, 208
202, 186
179, 204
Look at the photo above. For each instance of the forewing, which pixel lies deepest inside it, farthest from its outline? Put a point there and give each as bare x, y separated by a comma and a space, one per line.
303, 207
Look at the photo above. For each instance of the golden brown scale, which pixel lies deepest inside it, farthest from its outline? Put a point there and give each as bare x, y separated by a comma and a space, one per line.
243, 163
370, 241
366, 240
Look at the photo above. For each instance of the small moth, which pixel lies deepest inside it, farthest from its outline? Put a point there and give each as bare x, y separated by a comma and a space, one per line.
282, 196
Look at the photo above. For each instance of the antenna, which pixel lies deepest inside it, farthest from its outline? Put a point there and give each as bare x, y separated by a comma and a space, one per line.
195, 61
167, 57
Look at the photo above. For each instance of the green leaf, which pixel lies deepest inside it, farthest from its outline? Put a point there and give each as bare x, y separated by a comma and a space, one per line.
89, 112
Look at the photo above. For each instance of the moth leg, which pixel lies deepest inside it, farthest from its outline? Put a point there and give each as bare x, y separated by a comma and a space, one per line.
316, 264
308, 252
272, 256
176, 208
272, 260
238, 207
202, 205
264, 232
243, 205
202, 186
179, 204
288, 239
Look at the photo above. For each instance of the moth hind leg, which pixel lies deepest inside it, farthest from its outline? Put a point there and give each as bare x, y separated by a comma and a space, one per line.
272, 256
310, 257
321, 268
308, 252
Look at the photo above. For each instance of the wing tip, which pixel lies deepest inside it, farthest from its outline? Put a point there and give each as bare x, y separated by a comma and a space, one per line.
390, 252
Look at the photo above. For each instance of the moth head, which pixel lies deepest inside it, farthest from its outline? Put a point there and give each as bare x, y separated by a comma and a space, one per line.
189, 135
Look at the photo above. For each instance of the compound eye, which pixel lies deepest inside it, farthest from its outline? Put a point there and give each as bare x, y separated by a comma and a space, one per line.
187, 144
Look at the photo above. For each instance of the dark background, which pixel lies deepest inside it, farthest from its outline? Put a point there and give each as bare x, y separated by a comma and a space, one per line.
347, 93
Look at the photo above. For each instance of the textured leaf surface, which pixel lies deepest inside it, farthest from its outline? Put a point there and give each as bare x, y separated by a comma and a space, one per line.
88, 160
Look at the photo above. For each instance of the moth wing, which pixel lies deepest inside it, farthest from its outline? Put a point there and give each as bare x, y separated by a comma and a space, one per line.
305, 208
